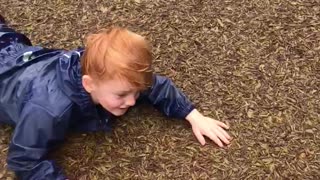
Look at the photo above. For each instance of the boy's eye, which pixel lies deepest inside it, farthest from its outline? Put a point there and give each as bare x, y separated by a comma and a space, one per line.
122, 95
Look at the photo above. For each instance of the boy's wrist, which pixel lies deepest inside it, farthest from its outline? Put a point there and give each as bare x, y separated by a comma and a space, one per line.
193, 115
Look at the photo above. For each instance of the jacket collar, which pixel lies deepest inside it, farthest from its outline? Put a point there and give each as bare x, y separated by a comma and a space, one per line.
70, 80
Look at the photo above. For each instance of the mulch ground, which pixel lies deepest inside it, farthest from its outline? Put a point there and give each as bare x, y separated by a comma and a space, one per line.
253, 64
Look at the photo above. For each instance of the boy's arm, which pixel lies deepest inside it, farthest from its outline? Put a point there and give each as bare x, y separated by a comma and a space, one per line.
167, 98
36, 131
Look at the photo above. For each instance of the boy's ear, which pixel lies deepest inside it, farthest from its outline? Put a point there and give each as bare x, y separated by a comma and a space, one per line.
88, 83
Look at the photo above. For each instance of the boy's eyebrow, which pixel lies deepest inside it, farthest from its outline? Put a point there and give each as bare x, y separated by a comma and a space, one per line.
125, 92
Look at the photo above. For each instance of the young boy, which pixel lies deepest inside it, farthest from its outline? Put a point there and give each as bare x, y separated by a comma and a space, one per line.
46, 92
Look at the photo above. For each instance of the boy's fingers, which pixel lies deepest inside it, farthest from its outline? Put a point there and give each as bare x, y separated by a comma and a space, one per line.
221, 136
200, 137
215, 138
224, 133
222, 124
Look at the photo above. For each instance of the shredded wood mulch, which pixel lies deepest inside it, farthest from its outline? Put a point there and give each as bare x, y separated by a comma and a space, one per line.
253, 64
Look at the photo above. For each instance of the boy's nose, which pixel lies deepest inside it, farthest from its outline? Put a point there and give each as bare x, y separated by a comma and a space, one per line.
131, 101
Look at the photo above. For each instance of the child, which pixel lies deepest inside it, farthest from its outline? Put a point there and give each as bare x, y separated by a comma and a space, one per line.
46, 92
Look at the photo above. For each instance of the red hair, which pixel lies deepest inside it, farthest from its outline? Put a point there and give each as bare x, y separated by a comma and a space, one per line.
118, 53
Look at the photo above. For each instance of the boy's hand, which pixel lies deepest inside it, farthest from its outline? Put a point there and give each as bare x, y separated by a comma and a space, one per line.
209, 127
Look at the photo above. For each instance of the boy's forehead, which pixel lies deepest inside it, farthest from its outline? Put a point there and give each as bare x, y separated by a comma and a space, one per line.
119, 85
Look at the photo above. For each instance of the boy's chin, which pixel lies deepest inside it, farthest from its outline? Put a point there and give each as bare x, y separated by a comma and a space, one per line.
119, 112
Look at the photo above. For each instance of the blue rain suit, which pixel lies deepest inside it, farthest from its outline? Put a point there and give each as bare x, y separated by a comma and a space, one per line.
42, 97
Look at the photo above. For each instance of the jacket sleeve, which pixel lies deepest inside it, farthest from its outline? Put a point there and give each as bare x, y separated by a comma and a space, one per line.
9, 36
167, 98
36, 131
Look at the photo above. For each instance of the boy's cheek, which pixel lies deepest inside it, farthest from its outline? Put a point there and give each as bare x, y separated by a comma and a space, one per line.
111, 104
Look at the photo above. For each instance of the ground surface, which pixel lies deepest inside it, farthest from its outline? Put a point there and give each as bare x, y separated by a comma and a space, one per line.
254, 64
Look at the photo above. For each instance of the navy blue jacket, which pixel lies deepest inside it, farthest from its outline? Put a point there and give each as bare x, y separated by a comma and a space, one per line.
41, 95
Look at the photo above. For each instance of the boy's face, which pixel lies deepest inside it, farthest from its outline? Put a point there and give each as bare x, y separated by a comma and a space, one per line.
116, 96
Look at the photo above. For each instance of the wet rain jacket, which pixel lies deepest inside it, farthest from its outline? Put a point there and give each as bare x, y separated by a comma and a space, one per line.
41, 95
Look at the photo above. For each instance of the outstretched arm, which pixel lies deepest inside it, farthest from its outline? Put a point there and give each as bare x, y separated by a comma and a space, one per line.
167, 98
